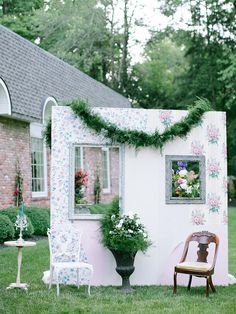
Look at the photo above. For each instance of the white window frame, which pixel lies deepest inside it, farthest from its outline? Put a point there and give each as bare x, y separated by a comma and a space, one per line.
47, 109
108, 189
5, 101
36, 132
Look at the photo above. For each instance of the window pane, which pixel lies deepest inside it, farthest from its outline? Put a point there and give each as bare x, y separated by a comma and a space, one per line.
78, 164
37, 165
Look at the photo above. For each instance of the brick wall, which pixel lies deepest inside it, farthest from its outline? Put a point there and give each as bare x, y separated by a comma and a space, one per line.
15, 144
93, 164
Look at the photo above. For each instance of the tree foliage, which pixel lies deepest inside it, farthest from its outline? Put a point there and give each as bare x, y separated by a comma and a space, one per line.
157, 81
18, 16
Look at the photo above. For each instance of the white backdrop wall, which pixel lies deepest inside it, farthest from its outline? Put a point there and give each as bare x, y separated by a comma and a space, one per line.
168, 225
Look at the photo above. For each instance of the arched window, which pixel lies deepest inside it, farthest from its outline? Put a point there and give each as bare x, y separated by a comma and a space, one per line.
39, 152
5, 102
47, 108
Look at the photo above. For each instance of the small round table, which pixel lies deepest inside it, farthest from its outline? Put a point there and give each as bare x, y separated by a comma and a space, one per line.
19, 244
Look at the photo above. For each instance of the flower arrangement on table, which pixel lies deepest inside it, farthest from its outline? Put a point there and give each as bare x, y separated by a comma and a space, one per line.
123, 232
185, 183
81, 183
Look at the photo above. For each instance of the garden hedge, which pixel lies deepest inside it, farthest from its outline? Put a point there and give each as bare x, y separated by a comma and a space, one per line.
7, 231
11, 213
40, 218
38, 222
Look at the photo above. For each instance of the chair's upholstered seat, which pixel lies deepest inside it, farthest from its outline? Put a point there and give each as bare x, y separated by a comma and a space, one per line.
194, 266
72, 265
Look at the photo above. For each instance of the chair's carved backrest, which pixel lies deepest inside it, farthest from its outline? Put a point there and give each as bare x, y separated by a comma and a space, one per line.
204, 238
65, 242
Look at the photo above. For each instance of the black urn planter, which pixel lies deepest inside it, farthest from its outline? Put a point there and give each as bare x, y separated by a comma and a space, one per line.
125, 268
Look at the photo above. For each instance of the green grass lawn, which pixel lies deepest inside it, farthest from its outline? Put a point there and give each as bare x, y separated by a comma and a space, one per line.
151, 299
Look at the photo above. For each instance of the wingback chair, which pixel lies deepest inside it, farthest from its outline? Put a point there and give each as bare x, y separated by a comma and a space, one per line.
64, 249
200, 268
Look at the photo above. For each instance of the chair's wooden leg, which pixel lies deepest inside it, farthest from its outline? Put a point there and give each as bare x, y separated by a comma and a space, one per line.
175, 283
207, 287
211, 284
190, 281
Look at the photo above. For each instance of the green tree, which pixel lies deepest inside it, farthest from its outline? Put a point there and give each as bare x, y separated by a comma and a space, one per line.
18, 16
211, 30
157, 81
75, 31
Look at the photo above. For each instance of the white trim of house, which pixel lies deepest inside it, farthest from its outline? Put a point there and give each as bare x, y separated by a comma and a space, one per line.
47, 108
36, 131
5, 101
108, 189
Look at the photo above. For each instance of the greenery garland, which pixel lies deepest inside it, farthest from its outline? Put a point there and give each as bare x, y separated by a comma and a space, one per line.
133, 137
139, 138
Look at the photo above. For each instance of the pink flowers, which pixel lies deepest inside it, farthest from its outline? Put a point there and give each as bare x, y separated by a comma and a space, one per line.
181, 181
81, 183
198, 218
197, 148
213, 168
166, 117
212, 134
213, 202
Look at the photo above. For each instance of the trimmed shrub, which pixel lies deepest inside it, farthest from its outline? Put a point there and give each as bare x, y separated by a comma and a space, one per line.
40, 218
11, 213
7, 231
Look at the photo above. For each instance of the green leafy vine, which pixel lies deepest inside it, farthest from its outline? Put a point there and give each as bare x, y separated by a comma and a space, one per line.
133, 137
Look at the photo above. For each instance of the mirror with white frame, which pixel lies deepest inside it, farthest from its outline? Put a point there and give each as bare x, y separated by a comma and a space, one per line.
95, 179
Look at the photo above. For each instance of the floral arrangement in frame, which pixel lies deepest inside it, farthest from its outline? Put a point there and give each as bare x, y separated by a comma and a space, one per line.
185, 179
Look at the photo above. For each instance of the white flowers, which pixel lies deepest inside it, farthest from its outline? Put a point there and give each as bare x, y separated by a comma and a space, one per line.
184, 186
183, 172
130, 215
189, 190
125, 232
127, 224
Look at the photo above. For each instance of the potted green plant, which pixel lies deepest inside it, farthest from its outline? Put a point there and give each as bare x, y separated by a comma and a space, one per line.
124, 235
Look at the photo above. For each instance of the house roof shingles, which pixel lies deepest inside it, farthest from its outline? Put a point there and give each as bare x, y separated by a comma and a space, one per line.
32, 74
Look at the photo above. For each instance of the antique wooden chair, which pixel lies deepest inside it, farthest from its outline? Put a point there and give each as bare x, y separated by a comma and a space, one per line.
65, 254
200, 268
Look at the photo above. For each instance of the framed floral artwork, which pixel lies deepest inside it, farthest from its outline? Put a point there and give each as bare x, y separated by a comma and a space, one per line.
185, 179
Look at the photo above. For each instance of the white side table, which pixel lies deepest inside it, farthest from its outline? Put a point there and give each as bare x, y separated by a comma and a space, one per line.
19, 245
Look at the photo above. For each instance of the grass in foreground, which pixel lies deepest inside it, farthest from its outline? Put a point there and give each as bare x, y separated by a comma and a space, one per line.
151, 299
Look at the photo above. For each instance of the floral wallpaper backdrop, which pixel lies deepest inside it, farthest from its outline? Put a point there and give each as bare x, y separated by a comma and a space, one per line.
207, 139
